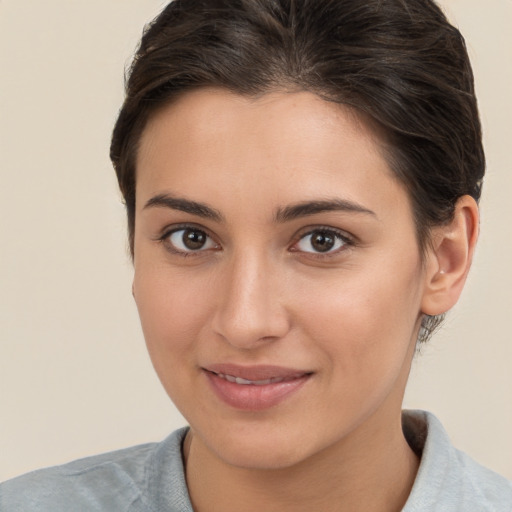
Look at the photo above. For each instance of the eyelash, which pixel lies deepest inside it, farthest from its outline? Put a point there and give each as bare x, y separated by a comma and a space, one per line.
164, 239
340, 236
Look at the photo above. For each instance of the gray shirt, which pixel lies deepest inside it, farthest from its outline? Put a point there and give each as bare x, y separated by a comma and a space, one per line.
151, 478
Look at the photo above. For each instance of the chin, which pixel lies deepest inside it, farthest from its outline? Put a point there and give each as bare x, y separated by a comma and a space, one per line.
264, 448
261, 458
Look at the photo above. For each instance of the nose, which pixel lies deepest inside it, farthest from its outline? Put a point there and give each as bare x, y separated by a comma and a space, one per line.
251, 309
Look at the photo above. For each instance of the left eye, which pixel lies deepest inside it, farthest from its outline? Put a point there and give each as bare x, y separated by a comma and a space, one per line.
190, 240
321, 241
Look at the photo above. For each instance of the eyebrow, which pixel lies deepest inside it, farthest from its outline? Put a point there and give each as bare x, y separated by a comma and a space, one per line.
184, 205
283, 214
306, 208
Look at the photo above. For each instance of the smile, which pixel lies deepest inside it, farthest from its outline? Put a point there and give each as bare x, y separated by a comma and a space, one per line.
254, 388
264, 382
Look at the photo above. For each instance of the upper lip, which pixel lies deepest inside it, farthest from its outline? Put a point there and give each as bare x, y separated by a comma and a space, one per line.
257, 372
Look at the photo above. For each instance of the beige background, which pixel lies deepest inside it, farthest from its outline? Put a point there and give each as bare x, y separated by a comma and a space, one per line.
74, 375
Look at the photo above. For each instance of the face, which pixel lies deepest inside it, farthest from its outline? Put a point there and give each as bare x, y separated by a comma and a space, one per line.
277, 274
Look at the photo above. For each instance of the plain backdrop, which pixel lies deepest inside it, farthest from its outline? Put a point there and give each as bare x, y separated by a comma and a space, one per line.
74, 375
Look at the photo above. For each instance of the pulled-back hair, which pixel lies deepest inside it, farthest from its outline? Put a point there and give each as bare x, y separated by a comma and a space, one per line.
398, 62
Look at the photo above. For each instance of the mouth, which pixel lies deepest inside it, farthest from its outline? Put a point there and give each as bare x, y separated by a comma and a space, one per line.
254, 388
263, 382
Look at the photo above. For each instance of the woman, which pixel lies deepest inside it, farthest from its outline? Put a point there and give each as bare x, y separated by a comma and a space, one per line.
301, 182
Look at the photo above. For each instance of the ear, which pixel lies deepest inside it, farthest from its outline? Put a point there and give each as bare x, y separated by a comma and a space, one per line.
449, 258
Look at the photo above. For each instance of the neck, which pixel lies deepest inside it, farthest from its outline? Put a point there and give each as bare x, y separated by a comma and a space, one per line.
371, 470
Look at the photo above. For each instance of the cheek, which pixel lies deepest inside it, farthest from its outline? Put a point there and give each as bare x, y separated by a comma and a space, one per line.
364, 320
363, 340
172, 310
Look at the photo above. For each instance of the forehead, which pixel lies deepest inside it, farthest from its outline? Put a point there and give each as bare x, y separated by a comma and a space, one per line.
283, 146
210, 113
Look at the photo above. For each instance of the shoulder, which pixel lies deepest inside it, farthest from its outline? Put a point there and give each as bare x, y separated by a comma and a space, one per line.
117, 481
448, 479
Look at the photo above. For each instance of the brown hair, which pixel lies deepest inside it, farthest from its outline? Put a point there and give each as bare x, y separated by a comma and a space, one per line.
399, 62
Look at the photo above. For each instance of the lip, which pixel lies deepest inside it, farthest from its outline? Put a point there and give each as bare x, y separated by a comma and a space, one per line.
254, 388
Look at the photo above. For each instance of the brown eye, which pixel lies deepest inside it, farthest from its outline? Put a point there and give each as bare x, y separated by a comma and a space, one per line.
193, 239
322, 241
190, 240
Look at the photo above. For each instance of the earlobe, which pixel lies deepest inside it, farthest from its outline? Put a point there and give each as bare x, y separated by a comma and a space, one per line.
449, 258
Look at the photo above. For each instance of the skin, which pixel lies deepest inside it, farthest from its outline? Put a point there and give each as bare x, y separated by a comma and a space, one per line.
259, 293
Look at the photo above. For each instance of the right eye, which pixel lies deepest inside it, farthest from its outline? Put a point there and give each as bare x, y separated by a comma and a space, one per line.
188, 240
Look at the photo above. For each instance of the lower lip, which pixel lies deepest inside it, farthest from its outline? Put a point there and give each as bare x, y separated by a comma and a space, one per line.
250, 397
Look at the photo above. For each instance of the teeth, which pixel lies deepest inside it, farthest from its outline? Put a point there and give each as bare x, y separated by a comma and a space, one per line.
246, 382
239, 380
